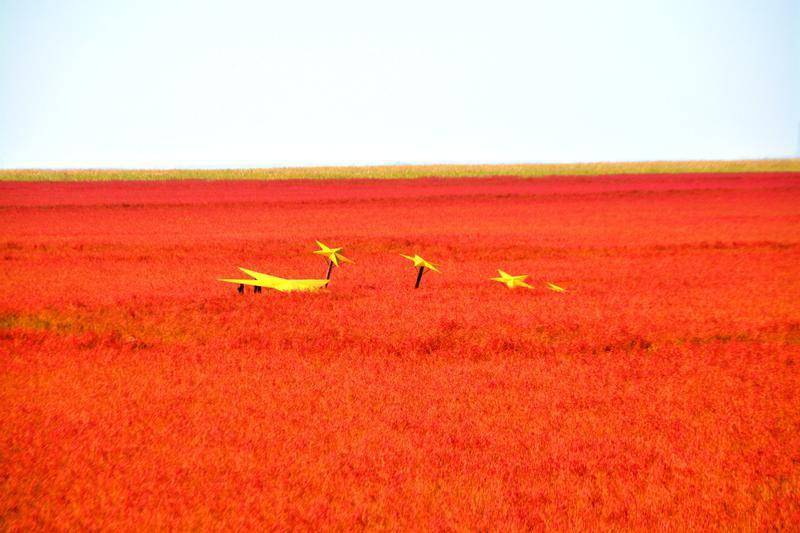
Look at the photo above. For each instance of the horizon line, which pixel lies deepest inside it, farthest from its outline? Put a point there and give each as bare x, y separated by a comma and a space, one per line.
398, 164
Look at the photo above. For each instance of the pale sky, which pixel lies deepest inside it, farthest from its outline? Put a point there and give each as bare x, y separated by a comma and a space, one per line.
148, 83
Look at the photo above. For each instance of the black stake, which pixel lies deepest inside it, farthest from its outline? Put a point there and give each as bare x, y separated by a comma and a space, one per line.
257, 288
330, 268
419, 277
241, 288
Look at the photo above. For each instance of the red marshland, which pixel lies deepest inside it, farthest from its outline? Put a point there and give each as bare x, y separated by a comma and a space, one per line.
138, 392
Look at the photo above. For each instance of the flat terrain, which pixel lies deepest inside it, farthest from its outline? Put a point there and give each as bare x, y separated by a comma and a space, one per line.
137, 392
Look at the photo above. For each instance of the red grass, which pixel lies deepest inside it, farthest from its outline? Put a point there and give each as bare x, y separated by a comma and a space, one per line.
139, 393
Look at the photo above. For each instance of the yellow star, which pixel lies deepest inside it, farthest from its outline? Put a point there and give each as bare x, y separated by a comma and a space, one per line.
332, 254
554, 287
267, 281
512, 282
420, 262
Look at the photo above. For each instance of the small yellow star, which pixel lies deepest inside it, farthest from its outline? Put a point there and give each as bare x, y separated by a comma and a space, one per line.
554, 287
512, 282
332, 254
420, 262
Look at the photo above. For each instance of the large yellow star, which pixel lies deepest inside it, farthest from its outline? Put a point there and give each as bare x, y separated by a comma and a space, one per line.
420, 262
268, 281
332, 254
512, 282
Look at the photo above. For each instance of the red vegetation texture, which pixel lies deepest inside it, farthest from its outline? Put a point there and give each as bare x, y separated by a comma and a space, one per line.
662, 389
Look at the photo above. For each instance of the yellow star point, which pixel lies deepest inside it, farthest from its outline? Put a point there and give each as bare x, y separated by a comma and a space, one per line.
512, 282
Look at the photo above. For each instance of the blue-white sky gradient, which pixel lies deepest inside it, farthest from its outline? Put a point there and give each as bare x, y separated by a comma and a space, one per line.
159, 83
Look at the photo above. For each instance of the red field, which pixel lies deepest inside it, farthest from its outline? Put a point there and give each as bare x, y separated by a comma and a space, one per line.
137, 392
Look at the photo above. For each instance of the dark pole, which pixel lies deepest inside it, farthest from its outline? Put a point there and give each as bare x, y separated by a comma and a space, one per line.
419, 277
330, 268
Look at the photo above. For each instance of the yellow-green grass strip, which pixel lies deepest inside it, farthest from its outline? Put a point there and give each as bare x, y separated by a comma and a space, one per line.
407, 171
